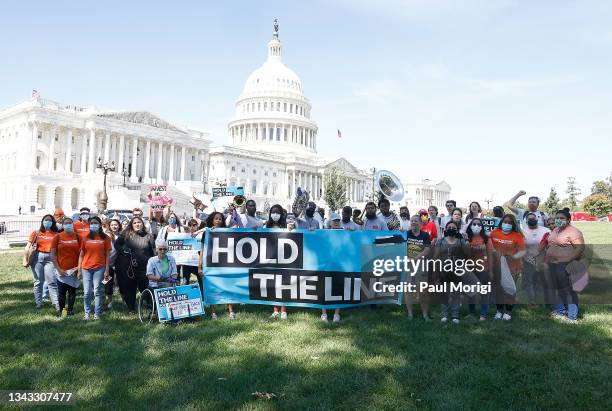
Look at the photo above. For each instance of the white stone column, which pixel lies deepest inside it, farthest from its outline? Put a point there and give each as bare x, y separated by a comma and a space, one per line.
34, 145
83, 169
133, 174
120, 156
183, 154
107, 146
171, 169
160, 155
68, 158
147, 167
51, 155
92, 145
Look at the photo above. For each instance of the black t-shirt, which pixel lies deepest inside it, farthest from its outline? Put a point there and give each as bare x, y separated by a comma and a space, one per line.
417, 243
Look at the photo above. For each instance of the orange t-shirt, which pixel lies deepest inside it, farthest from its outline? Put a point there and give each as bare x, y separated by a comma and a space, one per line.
480, 254
44, 240
94, 251
81, 228
508, 244
67, 249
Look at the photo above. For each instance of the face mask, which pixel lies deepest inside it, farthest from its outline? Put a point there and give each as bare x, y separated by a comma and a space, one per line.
476, 229
84, 217
68, 228
94, 227
47, 224
172, 220
450, 232
532, 223
310, 212
506, 228
559, 222
275, 217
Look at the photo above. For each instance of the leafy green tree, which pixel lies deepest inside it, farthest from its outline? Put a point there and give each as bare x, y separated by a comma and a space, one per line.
335, 188
572, 192
601, 187
597, 204
551, 205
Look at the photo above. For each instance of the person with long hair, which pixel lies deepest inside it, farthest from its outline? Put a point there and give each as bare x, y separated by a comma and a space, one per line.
432, 210
456, 216
479, 251
277, 218
452, 247
113, 231
42, 267
508, 242
418, 248
134, 248
213, 221
188, 270
174, 226
565, 245
474, 211
532, 275
93, 266
156, 221
65, 253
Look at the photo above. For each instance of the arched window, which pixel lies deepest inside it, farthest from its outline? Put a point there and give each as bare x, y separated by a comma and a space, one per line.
254, 186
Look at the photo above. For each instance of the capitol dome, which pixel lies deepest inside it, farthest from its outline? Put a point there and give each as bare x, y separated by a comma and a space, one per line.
272, 113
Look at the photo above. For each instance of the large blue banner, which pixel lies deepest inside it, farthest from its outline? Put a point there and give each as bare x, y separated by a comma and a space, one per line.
318, 268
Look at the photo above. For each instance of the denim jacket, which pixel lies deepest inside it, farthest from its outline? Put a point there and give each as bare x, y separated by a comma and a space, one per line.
154, 268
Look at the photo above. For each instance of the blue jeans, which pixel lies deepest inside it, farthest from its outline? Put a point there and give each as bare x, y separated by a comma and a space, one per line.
44, 272
92, 286
563, 284
483, 277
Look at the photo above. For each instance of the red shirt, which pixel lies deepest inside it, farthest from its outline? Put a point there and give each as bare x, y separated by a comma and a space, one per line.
431, 229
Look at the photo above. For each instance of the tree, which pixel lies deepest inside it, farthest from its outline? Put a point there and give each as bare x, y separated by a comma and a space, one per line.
551, 205
601, 187
335, 188
572, 193
597, 205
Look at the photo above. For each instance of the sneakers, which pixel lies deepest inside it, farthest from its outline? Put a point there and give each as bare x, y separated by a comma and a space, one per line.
275, 314
336, 318
324, 317
483, 318
110, 305
232, 315
39, 305
213, 316
498, 315
283, 315
96, 317
86, 317
444, 319
455, 320
506, 317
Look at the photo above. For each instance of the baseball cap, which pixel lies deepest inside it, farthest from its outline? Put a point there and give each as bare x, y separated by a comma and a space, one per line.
422, 211
59, 211
335, 216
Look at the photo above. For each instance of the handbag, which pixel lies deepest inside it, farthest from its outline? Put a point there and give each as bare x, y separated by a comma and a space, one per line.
33, 252
507, 281
579, 276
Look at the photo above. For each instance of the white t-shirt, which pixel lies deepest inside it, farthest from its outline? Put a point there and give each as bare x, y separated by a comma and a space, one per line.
533, 237
351, 225
377, 223
404, 224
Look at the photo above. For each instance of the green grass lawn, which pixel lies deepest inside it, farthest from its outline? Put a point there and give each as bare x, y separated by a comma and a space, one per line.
374, 360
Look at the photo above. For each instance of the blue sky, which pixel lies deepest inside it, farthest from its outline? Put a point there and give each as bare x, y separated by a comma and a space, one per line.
491, 96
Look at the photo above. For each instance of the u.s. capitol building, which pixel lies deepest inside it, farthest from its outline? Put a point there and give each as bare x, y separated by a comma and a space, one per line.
52, 150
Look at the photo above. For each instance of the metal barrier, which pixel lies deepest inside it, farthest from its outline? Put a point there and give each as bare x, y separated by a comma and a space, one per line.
15, 231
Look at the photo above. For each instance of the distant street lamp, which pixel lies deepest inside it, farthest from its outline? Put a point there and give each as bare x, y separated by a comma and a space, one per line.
124, 173
103, 197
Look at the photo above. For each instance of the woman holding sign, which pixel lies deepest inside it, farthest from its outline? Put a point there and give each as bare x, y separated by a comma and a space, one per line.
188, 270
214, 220
508, 243
278, 219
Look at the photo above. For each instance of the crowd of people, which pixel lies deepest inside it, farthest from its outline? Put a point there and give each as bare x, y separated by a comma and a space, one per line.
131, 254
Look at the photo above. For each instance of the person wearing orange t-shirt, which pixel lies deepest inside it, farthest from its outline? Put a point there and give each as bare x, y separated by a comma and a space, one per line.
507, 241
65, 253
42, 268
81, 227
93, 266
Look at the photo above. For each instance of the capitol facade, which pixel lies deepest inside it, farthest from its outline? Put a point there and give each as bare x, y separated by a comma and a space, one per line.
53, 151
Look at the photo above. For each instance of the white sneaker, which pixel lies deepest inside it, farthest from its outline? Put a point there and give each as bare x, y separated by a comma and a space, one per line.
506, 317
336, 318
110, 305
283, 315
498, 316
96, 317
86, 317
213, 316
483, 318
275, 314
324, 317
232, 315
444, 319
455, 320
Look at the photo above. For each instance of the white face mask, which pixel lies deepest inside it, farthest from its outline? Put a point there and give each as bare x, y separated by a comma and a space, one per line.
476, 229
275, 217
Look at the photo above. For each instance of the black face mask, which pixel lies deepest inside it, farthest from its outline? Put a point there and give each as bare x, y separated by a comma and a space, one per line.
532, 223
451, 232
310, 212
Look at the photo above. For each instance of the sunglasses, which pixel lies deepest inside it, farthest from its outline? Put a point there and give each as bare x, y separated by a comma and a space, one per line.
162, 249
